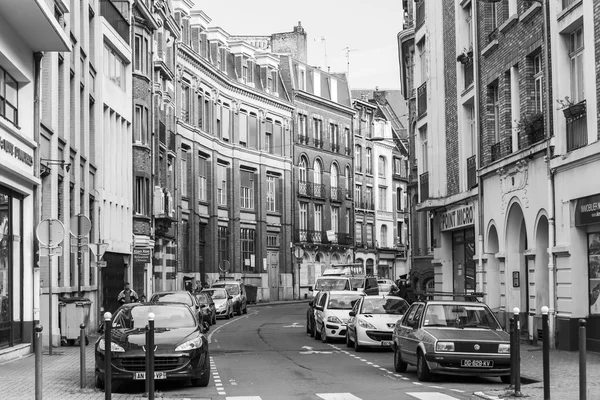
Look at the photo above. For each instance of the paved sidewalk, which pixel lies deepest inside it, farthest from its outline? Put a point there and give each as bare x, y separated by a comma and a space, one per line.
564, 375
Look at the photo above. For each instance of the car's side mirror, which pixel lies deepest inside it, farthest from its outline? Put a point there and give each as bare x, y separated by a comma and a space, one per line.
352, 314
320, 308
310, 288
202, 305
230, 297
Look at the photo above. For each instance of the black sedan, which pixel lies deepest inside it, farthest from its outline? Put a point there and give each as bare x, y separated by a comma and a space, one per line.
181, 350
207, 305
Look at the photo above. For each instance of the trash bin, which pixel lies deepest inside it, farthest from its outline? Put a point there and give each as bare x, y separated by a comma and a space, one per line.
73, 312
251, 291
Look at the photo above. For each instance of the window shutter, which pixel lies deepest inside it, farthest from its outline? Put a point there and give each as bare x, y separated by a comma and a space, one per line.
225, 124
243, 128
278, 191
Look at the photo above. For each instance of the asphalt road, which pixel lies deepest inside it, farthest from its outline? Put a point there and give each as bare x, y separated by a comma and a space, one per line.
267, 355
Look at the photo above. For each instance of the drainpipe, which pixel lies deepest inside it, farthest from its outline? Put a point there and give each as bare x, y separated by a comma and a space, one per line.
37, 192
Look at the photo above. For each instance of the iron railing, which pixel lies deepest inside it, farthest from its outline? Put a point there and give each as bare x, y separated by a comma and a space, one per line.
304, 189
471, 172
424, 186
303, 139
336, 194
577, 135
319, 190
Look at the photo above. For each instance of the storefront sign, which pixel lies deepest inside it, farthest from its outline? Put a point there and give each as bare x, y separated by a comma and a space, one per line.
141, 255
457, 218
587, 210
16, 152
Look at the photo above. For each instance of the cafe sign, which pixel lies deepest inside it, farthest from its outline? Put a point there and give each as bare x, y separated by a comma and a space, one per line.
457, 217
141, 256
587, 210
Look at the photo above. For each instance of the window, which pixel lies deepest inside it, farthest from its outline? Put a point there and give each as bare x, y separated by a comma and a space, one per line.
141, 123
185, 103
303, 217
494, 15
369, 162
576, 56
317, 173
225, 122
114, 67
334, 176
253, 131
335, 219
537, 82
9, 90
247, 238
247, 189
142, 195
399, 227
358, 158
206, 119
348, 181
383, 198
496, 112
369, 196
303, 170
399, 199
141, 55
383, 242
245, 71
317, 131
369, 234
347, 140
202, 179
382, 167
221, 184
271, 193
358, 232
472, 140
318, 218
302, 125
223, 243
358, 194
184, 173
243, 132
347, 221
269, 136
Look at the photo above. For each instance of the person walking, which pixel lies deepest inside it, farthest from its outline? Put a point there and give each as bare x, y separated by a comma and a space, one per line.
127, 295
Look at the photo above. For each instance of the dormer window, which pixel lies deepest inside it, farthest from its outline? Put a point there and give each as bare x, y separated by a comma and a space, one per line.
245, 71
222, 59
270, 82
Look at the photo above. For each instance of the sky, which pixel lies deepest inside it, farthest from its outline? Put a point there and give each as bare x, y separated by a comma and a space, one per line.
368, 28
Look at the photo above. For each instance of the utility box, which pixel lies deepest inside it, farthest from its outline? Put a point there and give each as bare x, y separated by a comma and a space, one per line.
73, 312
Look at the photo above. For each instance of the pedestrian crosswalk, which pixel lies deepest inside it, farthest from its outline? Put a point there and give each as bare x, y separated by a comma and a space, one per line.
350, 396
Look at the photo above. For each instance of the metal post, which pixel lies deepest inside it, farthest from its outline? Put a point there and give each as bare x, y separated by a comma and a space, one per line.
150, 356
546, 352
82, 369
107, 356
511, 329
517, 364
38, 362
50, 268
582, 360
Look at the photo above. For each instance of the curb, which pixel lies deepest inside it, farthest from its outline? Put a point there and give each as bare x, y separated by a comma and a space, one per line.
482, 395
278, 303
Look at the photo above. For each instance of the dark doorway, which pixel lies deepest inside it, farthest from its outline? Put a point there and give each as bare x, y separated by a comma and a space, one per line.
113, 279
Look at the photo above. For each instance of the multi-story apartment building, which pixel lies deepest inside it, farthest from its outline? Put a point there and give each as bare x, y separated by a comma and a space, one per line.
322, 181
234, 147
29, 32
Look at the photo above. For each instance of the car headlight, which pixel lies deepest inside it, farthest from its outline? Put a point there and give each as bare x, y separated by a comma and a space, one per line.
364, 324
334, 319
444, 346
115, 348
504, 348
190, 345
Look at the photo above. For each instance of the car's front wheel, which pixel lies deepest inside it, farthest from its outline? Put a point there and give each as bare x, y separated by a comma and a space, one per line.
214, 319
423, 373
99, 383
399, 365
357, 347
348, 340
204, 380
324, 337
246, 308
316, 333
239, 309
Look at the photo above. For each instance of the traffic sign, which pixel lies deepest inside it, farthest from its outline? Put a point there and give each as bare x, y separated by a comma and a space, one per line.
79, 241
98, 248
80, 225
47, 251
298, 252
50, 232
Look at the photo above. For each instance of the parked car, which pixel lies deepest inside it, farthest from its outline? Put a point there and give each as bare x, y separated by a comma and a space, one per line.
310, 315
223, 301
365, 284
326, 283
451, 337
182, 353
372, 321
178, 296
387, 286
207, 305
238, 291
332, 313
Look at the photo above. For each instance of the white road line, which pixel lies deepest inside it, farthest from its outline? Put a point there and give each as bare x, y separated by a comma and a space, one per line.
337, 396
431, 396
457, 390
243, 398
227, 323
375, 365
435, 387
418, 383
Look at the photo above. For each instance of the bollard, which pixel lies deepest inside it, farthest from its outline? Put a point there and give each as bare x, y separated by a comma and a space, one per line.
82, 356
546, 352
511, 329
38, 362
107, 356
150, 357
517, 360
582, 361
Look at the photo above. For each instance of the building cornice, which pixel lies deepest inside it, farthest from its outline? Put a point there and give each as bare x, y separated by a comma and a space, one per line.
317, 99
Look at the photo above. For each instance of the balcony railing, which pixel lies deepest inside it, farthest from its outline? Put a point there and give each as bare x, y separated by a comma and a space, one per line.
319, 190
422, 100
318, 143
304, 189
424, 186
118, 19
336, 194
335, 147
471, 172
316, 236
303, 139
348, 151
420, 13
369, 171
302, 236
577, 132
496, 153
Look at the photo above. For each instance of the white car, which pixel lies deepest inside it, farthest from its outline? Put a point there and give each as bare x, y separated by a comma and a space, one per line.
332, 313
372, 321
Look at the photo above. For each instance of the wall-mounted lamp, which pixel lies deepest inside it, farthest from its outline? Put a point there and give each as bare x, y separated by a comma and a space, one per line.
45, 170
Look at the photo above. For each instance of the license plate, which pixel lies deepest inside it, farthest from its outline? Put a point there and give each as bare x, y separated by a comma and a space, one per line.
386, 343
142, 375
477, 363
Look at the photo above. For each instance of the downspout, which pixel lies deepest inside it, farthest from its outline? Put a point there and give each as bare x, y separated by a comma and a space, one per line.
477, 80
293, 206
551, 203
37, 192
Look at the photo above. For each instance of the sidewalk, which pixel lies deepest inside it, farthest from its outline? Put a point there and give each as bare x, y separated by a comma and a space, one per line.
564, 375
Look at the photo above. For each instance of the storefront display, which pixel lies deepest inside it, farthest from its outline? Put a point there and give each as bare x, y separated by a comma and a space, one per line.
594, 272
5, 314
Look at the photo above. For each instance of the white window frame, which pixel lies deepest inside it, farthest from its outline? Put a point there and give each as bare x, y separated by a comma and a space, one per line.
335, 218
271, 195
576, 56
538, 88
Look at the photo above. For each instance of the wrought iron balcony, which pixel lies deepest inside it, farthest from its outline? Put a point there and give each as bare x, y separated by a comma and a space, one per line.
303, 139
424, 186
319, 190
335, 147
304, 189
344, 239
318, 143
337, 194
471, 172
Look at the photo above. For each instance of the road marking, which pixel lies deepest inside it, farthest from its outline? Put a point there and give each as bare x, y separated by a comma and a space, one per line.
457, 390
338, 396
294, 325
217, 378
309, 350
243, 398
418, 383
227, 323
431, 396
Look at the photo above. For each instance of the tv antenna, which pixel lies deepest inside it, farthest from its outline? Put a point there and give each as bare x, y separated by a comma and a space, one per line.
348, 50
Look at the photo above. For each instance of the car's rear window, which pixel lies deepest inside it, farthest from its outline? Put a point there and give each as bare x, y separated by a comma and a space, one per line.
165, 316
342, 301
202, 298
460, 316
385, 305
357, 282
216, 294
331, 284
172, 298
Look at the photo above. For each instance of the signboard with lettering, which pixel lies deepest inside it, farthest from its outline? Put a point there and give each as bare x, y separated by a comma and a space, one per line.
141, 255
15, 151
457, 217
587, 210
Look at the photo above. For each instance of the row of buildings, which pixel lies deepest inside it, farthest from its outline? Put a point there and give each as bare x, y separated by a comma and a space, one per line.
192, 152
504, 154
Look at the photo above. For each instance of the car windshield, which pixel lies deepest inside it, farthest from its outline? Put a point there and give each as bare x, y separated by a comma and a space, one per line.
331, 284
385, 305
460, 316
342, 301
217, 293
165, 316
172, 298
202, 298
357, 282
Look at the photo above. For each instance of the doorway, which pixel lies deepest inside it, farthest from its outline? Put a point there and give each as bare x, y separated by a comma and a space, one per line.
273, 267
113, 279
517, 290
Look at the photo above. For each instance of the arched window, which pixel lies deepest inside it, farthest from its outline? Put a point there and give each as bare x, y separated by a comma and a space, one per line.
334, 175
303, 170
317, 172
383, 236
